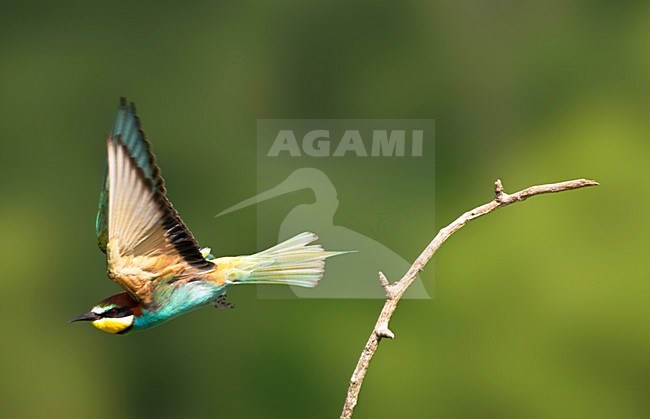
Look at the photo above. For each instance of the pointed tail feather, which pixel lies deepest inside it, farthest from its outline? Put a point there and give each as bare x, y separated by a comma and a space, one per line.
292, 262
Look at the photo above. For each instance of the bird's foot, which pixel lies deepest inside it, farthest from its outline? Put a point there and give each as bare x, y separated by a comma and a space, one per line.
222, 303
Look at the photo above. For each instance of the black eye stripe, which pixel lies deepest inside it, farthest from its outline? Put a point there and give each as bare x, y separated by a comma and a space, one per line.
111, 313
116, 312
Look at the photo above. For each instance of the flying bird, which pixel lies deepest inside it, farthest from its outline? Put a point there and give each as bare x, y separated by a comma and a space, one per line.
153, 256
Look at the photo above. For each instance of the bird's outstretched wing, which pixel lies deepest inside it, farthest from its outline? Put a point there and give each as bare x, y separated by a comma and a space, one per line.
137, 227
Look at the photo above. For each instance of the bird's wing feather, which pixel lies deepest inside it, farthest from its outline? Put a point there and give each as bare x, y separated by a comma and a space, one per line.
144, 237
127, 127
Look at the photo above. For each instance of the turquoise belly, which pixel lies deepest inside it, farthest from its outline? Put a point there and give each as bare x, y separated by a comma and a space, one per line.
172, 301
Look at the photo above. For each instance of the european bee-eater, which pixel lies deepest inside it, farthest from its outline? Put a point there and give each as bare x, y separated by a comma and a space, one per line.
155, 258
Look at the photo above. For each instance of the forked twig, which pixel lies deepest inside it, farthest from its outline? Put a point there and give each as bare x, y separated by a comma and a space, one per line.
395, 291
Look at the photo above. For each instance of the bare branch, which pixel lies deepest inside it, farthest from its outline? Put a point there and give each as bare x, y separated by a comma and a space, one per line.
395, 291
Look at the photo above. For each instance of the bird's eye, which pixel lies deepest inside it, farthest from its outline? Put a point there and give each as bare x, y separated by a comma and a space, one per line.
111, 313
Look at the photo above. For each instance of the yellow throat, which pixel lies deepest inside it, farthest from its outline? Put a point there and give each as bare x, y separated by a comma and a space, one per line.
113, 325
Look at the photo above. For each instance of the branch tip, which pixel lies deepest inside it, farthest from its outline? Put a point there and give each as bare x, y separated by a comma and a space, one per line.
383, 281
498, 191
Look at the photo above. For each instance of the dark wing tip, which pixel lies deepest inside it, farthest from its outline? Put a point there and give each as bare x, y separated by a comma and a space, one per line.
151, 168
129, 106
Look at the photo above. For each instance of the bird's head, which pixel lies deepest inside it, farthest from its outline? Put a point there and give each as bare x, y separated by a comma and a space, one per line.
115, 314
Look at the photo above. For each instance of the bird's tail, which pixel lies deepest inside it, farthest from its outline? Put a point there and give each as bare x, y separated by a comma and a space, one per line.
292, 262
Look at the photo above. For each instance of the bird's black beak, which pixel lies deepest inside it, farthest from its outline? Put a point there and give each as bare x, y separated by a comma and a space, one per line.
87, 317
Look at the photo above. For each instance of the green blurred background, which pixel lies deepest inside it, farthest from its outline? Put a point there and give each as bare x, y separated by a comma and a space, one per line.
541, 309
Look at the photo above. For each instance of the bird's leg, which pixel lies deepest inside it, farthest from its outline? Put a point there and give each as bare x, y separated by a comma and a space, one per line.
222, 303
